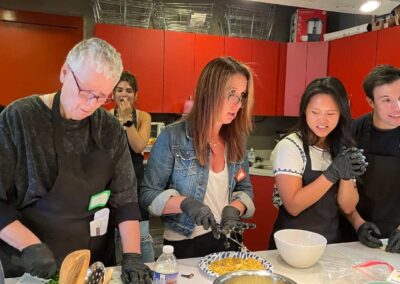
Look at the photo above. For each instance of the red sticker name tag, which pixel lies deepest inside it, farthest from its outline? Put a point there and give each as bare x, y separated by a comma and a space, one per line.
240, 175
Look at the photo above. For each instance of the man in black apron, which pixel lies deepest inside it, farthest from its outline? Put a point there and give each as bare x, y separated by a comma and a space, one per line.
66, 176
378, 133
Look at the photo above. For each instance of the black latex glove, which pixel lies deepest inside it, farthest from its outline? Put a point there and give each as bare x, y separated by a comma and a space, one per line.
348, 164
368, 234
394, 242
230, 219
38, 260
199, 213
134, 270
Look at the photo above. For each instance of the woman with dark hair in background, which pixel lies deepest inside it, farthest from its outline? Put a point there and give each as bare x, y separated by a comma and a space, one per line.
198, 173
313, 172
137, 125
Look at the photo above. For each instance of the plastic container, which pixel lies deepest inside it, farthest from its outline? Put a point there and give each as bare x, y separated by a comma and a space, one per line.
251, 156
166, 267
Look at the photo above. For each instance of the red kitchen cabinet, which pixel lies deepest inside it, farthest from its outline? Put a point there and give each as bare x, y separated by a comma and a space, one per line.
296, 69
120, 37
305, 62
265, 59
388, 46
178, 70
148, 66
142, 52
350, 60
207, 47
262, 57
280, 98
238, 48
264, 216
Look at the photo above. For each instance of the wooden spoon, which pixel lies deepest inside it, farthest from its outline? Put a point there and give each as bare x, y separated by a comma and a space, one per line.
74, 267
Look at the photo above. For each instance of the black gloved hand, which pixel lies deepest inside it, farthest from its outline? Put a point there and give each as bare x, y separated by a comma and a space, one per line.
368, 234
230, 219
394, 242
133, 270
348, 164
38, 260
199, 213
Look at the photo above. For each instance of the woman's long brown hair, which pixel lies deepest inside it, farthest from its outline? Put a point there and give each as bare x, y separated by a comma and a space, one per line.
211, 91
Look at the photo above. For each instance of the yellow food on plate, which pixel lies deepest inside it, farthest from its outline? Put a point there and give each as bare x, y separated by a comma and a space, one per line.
231, 264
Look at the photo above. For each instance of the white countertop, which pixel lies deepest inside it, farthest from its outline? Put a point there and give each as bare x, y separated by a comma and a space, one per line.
260, 172
333, 267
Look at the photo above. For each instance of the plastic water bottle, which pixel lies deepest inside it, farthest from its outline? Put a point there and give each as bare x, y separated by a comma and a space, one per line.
166, 267
2, 280
251, 156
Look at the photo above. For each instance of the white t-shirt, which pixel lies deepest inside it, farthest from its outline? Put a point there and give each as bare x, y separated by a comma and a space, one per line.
216, 197
289, 158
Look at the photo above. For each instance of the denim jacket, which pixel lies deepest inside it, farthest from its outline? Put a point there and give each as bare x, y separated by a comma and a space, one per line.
174, 170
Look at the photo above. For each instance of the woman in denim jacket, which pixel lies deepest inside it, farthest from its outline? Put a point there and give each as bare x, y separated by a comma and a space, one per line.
197, 175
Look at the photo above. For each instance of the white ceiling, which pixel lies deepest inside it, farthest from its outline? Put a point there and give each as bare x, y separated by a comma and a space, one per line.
351, 6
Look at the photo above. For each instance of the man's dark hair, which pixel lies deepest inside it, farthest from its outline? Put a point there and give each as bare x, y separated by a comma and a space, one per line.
380, 75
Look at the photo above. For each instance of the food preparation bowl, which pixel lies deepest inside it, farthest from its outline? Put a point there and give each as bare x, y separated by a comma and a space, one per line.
300, 248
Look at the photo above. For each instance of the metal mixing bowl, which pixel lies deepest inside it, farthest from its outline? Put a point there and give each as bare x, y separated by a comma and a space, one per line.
254, 277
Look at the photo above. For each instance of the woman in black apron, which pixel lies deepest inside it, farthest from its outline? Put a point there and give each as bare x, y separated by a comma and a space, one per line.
312, 171
137, 125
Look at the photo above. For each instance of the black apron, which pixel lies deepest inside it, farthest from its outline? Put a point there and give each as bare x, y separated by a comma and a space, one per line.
379, 188
61, 218
321, 217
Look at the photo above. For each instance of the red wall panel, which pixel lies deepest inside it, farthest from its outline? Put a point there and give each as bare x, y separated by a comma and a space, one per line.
32, 54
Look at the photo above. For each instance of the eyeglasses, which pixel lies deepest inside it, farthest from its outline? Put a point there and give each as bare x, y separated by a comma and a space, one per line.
90, 95
235, 99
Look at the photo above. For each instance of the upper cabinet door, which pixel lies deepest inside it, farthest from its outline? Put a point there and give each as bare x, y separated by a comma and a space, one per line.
207, 47
238, 48
317, 60
265, 59
350, 60
120, 38
148, 66
178, 70
296, 69
389, 46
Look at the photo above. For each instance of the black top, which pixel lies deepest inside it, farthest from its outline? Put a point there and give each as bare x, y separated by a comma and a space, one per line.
381, 142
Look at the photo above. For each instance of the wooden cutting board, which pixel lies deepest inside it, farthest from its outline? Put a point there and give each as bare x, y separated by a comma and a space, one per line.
74, 267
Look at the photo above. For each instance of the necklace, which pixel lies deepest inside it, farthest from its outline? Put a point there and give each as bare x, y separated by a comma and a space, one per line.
214, 144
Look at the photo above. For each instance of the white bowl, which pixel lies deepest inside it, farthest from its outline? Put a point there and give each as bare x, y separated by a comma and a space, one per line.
300, 248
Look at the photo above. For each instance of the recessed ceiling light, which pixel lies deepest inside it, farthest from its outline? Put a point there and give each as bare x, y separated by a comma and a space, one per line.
370, 6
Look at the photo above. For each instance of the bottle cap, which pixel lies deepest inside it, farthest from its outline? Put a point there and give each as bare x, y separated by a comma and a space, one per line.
168, 249
251, 149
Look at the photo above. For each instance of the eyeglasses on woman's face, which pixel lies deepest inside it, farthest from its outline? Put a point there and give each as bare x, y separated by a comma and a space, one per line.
235, 99
91, 95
